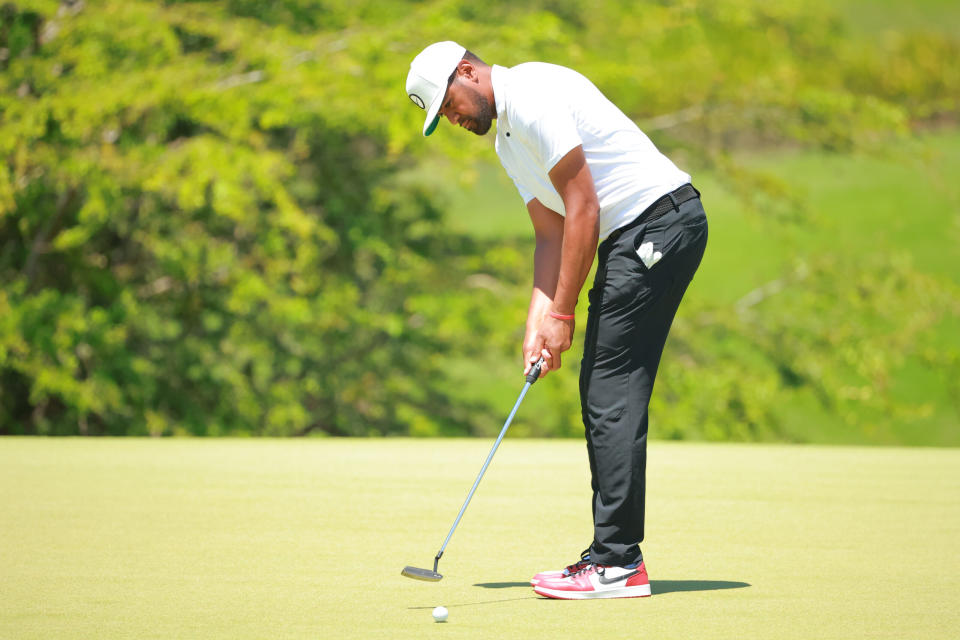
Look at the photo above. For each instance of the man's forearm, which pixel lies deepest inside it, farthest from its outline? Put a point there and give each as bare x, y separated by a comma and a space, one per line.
546, 270
540, 305
580, 235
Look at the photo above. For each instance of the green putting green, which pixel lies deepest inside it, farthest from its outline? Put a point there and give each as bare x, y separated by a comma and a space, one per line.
306, 538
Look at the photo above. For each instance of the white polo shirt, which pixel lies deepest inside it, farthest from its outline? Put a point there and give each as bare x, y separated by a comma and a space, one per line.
544, 111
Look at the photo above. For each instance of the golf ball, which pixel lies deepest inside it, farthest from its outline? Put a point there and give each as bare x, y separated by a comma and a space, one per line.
440, 614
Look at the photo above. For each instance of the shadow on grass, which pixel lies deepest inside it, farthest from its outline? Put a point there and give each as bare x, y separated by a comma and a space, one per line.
656, 586
670, 586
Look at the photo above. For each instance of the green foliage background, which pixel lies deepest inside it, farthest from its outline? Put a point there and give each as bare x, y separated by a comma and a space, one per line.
220, 218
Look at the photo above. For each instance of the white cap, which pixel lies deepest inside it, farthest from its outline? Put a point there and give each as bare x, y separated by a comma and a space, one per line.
427, 79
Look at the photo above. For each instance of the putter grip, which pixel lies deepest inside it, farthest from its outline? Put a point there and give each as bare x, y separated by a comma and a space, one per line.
535, 371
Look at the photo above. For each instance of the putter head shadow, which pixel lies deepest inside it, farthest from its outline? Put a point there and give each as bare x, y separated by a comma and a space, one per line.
421, 574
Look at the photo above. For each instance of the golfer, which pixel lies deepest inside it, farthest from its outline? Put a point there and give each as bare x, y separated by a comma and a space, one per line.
593, 183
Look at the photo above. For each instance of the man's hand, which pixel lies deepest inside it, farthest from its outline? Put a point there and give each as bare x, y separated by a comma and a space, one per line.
531, 350
554, 337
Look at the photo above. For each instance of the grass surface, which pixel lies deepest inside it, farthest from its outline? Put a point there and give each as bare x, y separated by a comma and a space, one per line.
306, 538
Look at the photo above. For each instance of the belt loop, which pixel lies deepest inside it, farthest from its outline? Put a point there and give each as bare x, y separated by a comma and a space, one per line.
673, 200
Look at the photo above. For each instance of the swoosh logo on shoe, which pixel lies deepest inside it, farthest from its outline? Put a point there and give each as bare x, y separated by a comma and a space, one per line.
605, 581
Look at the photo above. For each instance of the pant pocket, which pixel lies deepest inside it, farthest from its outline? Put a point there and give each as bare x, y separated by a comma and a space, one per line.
653, 247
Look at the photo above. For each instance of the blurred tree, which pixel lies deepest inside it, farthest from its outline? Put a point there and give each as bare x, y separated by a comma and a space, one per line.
193, 241
211, 220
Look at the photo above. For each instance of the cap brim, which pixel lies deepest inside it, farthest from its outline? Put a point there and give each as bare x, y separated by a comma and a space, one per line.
431, 127
433, 115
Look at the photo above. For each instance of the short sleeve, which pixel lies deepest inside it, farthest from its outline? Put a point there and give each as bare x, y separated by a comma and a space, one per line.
549, 129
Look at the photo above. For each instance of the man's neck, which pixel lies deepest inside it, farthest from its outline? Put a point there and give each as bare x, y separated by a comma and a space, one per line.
486, 87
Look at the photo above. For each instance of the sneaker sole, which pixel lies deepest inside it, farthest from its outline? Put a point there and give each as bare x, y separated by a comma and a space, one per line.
639, 591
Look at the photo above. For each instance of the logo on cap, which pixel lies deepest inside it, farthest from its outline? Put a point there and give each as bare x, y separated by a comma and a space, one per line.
417, 100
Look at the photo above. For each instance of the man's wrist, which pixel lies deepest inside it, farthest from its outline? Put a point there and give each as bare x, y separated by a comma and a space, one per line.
561, 316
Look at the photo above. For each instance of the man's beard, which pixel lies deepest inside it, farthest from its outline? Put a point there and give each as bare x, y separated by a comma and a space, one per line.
485, 114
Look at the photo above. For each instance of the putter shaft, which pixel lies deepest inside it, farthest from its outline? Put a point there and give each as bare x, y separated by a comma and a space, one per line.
483, 470
531, 378
426, 574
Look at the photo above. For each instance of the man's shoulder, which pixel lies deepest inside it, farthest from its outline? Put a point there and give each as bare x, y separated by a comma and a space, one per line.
536, 74
535, 86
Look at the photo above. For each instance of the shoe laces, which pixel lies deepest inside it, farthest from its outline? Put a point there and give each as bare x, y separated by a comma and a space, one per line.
580, 564
587, 567
601, 569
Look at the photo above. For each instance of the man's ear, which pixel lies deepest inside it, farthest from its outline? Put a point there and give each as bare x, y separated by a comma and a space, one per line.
466, 70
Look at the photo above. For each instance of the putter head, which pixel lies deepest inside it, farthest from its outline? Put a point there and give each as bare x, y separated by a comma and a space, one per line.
421, 574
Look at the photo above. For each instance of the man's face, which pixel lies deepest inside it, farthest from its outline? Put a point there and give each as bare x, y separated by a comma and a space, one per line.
464, 105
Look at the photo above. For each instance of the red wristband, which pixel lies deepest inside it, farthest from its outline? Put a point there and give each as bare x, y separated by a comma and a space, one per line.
561, 316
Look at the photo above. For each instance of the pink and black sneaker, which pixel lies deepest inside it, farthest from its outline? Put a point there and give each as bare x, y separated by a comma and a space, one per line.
597, 581
568, 570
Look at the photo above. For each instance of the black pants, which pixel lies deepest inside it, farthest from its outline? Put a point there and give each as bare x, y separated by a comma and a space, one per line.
631, 310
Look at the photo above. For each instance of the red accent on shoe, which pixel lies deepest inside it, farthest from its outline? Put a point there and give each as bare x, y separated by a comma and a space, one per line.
639, 579
597, 581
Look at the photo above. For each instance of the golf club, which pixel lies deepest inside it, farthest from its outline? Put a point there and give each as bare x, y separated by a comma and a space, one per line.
433, 576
